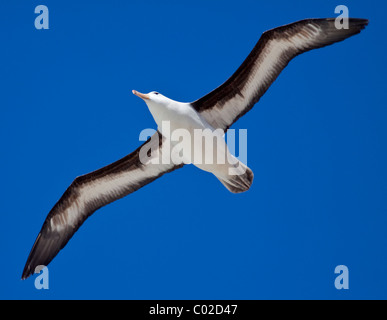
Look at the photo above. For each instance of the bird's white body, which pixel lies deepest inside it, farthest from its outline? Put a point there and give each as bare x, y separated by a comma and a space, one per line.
192, 136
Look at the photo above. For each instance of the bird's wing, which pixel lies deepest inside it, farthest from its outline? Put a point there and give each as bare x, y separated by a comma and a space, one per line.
92, 191
274, 50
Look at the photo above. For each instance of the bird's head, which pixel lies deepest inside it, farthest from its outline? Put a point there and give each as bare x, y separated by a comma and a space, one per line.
152, 97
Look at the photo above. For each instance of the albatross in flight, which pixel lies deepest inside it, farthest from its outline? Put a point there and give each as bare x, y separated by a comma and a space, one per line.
219, 109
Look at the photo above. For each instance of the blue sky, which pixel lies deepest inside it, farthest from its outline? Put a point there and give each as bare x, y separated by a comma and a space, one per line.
316, 144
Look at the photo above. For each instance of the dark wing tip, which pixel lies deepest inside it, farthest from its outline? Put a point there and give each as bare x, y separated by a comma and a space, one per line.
355, 25
27, 272
361, 21
45, 248
358, 23
28, 268
333, 31
36, 257
353, 20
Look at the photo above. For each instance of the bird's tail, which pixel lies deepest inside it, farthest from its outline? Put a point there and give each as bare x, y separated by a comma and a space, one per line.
239, 179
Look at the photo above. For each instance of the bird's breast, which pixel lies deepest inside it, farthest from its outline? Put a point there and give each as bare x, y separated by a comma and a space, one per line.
177, 118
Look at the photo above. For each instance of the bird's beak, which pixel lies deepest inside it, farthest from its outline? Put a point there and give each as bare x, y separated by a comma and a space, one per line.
141, 95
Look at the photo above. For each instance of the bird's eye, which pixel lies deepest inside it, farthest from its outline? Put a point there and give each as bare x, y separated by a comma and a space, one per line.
155, 92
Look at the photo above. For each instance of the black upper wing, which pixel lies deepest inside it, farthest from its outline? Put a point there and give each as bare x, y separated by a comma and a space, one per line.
92, 191
274, 50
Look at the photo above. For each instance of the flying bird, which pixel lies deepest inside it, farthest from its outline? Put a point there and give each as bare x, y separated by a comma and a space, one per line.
219, 109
